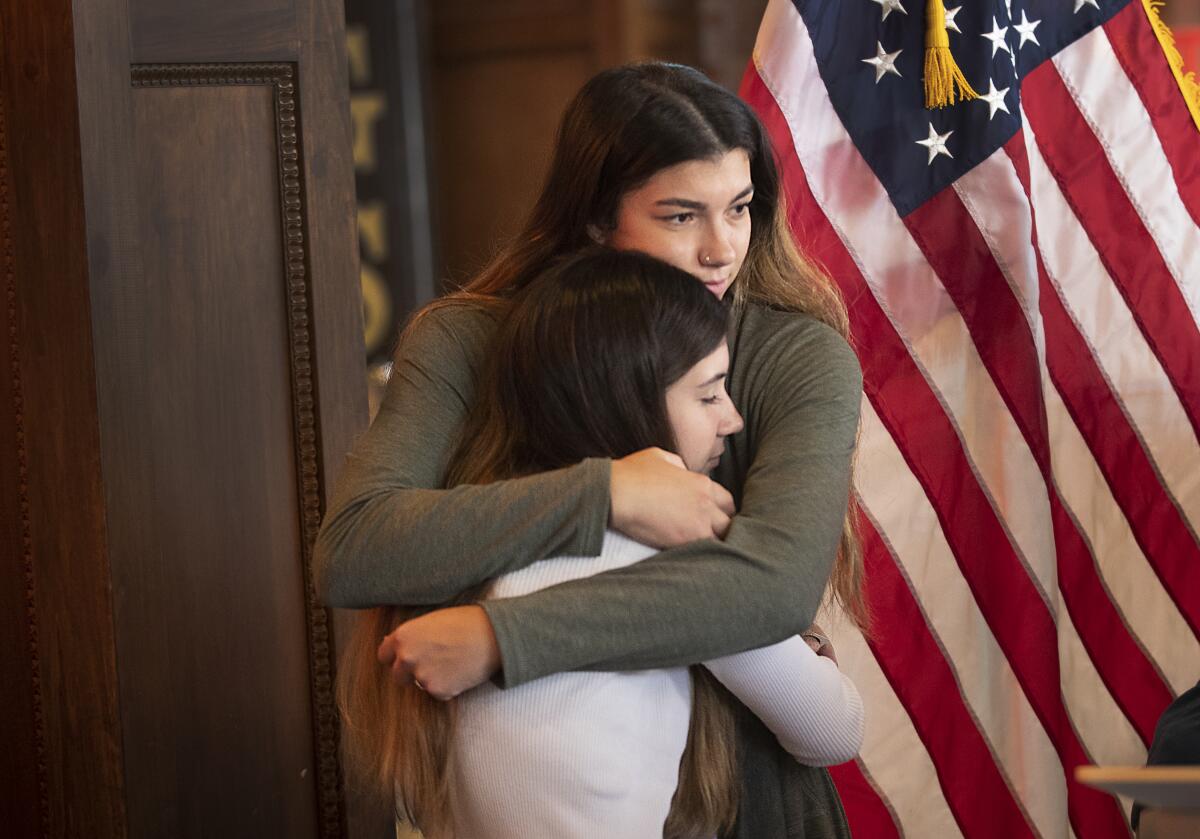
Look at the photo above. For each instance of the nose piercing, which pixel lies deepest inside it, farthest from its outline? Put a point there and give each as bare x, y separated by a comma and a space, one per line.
705, 259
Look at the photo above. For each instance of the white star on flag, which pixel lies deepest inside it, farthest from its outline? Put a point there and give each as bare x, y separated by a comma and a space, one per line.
1026, 27
889, 6
950, 15
1079, 4
996, 36
995, 99
883, 62
936, 143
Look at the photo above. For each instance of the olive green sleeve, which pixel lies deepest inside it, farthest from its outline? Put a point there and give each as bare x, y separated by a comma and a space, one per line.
393, 535
799, 387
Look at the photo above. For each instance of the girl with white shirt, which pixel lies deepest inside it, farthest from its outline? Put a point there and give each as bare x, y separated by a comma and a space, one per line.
605, 354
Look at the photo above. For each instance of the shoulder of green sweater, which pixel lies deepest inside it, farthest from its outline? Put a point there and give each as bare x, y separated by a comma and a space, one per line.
452, 322
443, 347
794, 343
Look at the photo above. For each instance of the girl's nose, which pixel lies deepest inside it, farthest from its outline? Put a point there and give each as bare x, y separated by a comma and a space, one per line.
717, 249
732, 423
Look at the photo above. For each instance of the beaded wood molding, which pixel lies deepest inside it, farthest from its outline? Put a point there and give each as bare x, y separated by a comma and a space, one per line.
306, 437
26, 535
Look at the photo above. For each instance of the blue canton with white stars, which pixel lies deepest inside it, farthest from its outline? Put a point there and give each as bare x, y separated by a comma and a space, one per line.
871, 56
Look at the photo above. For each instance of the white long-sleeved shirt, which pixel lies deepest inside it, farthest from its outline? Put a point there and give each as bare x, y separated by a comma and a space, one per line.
572, 754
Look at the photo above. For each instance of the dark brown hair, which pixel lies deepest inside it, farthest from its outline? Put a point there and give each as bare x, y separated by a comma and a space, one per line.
579, 368
581, 364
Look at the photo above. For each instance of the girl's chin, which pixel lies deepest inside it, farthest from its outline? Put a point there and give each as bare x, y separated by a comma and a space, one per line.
706, 467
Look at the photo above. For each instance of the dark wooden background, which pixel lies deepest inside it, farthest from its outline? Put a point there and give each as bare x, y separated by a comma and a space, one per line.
180, 375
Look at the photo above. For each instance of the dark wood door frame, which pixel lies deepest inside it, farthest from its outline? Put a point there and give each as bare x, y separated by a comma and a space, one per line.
93, 516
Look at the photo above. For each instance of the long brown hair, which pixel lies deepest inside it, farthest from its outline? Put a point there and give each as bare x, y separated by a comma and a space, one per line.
625, 125
579, 368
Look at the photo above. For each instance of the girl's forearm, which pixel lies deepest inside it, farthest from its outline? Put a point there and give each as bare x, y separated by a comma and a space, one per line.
811, 707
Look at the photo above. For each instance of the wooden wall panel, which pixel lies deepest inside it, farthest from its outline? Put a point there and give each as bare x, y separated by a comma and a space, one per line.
214, 30
493, 145
205, 520
172, 307
726, 37
501, 75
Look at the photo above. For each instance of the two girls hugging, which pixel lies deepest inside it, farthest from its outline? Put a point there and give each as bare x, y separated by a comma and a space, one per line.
601, 503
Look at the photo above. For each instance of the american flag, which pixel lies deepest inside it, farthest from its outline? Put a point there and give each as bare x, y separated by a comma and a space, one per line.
1023, 277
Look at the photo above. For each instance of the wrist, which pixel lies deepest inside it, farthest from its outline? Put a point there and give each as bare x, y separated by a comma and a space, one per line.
493, 617
486, 634
616, 510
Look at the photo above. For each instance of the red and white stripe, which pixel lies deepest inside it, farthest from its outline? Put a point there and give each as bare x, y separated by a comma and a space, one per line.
1029, 465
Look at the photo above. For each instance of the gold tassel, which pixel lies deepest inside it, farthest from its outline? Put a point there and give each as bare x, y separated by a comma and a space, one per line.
1166, 39
942, 75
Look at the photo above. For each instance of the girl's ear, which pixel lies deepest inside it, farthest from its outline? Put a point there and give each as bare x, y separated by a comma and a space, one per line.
595, 234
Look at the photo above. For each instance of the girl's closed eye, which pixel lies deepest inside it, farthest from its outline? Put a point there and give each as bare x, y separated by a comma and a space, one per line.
679, 218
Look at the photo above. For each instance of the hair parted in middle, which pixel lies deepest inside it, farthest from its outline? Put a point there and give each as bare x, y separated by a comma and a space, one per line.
579, 368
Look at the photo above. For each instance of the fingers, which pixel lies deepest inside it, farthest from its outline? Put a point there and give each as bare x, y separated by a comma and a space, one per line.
656, 500
429, 683
406, 672
440, 694
389, 655
721, 515
443, 653
669, 457
431, 688
385, 653
720, 524
675, 460
819, 642
723, 499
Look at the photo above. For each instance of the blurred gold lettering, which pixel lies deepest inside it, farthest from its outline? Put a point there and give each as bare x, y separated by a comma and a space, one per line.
377, 308
358, 54
372, 230
366, 109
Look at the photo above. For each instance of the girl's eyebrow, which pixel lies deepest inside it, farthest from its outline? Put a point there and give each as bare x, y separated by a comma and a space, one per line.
688, 204
681, 202
714, 379
749, 189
